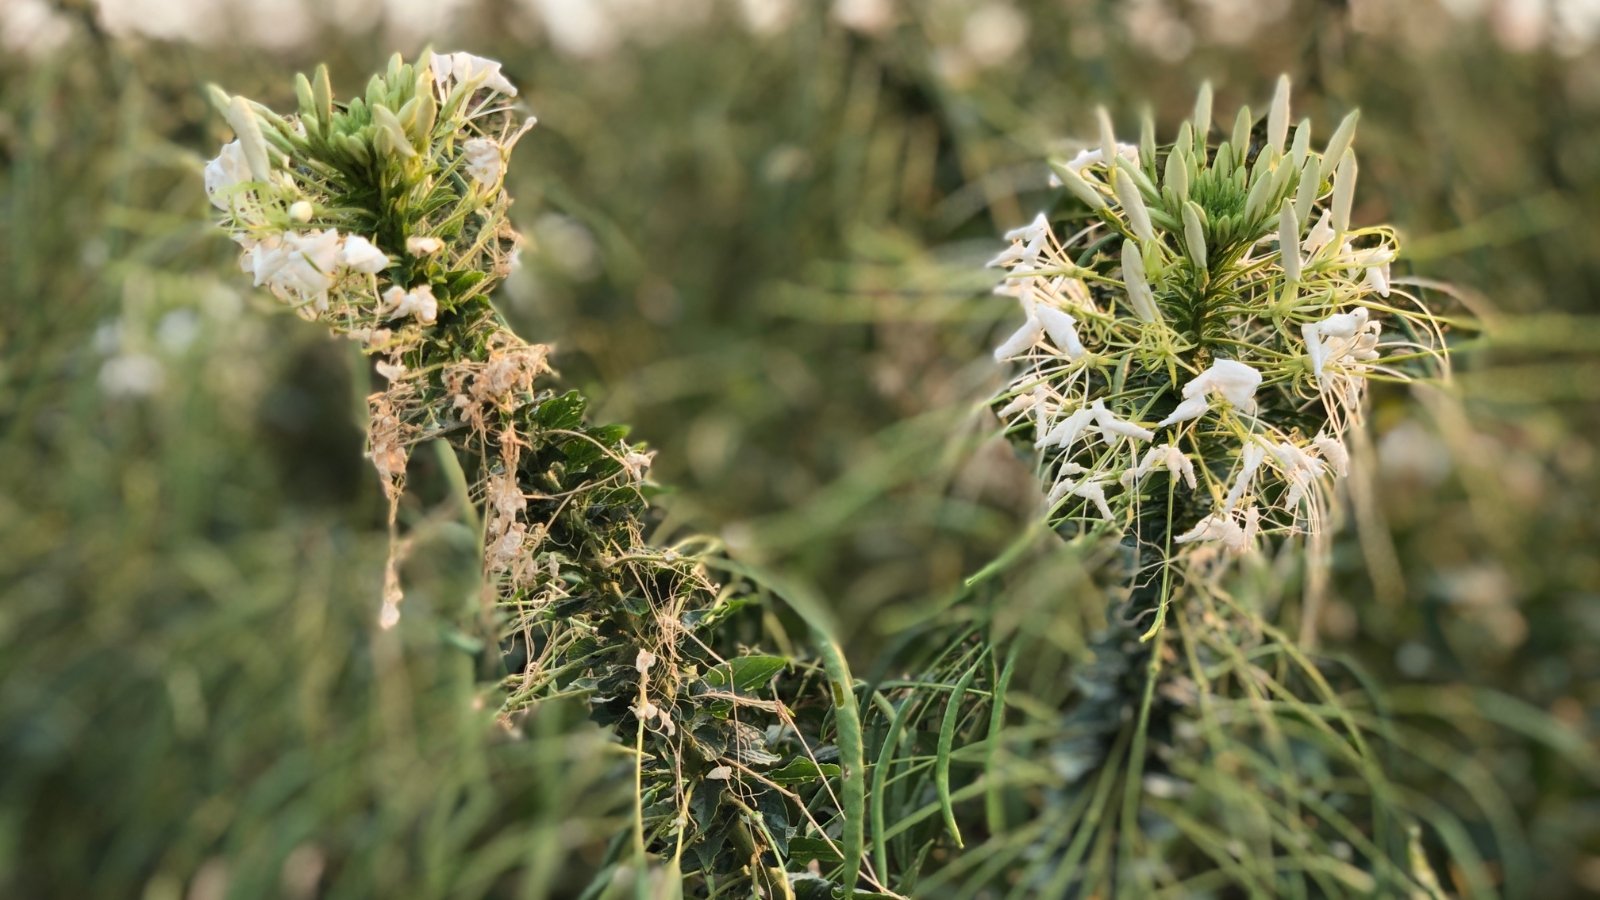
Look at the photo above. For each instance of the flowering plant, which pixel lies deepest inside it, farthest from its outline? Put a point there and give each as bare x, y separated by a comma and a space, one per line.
385, 219
1207, 331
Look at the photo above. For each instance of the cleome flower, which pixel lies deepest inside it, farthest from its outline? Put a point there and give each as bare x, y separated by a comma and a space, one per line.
1208, 312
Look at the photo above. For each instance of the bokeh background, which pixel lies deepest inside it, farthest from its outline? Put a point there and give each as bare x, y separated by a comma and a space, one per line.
759, 229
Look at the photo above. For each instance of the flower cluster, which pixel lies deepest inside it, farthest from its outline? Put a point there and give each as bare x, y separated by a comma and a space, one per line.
376, 217
1202, 326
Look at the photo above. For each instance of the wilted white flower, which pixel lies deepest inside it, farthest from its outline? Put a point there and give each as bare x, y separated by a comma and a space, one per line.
361, 255
720, 773
644, 661
485, 162
418, 302
1333, 450
227, 171
392, 371
423, 245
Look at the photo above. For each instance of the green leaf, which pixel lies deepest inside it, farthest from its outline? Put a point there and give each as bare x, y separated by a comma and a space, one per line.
801, 770
745, 673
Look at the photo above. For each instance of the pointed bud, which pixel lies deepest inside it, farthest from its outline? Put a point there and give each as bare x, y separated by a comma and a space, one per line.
1194, 233
1133, 204
1344, 192
1147, 139
245, 126
398, 141
1302, 144
1340, 142
322, 96
1308, 190
1177, 174
1078, 185
1133, 275
1289, 242
1108, 137
1202, 117
1278, 117
1241, 132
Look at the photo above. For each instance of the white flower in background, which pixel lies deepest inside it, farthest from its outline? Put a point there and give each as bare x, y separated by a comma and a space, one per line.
361, 255
1250, 460
423, 245
418, 302
993, 33
391, 371
485, 162
131, 375
1221, 527
454, 67
229, 170
1333, 450
766, 17
867, 16
301, 211
1299, 470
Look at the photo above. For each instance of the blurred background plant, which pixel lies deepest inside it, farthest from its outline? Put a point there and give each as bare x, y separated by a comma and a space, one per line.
759, 231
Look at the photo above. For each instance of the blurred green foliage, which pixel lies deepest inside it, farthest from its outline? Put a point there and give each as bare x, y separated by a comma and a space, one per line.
763, 251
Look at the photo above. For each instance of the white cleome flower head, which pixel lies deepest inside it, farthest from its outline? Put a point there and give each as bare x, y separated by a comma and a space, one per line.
460, 66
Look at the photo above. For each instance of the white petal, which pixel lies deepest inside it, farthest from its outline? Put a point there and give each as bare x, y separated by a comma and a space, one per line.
1020, 341
1063, 330
1192, 408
